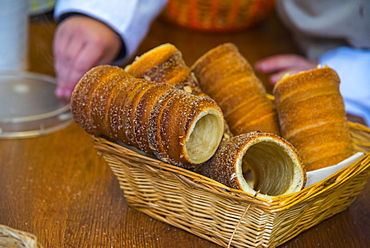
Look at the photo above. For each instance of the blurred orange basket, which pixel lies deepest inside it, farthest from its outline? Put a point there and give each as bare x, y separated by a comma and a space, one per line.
217, 15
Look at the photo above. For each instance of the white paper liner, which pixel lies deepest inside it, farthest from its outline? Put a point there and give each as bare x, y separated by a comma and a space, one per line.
320, 174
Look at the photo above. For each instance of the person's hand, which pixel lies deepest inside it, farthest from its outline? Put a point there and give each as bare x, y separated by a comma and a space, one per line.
81, 43
279, 65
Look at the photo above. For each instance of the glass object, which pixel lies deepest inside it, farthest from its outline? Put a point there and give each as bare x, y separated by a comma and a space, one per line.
29, 107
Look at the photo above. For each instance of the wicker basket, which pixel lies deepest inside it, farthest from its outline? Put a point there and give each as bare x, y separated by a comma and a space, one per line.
223, 215
10, 237
217, 15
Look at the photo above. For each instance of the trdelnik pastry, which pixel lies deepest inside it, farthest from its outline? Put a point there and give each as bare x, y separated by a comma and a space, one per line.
261, 164
313, 118
176, 126
228, 78
165, 64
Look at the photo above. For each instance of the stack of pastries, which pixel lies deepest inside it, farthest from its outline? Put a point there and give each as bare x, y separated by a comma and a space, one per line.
179, 114
176, 126
165, 64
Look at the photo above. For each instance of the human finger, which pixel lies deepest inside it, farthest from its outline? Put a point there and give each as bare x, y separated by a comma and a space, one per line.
88, 57
281, 62
274, 78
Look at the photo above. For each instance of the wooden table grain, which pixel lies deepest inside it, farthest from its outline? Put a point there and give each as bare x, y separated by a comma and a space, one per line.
57, 187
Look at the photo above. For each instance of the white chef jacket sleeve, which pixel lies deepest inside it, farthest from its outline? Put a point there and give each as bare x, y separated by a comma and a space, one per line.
352, 66
131, 19
322, 25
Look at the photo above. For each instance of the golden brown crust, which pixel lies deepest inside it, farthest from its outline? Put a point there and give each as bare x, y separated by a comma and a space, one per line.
261, 108
151, 59
176, 113
117, 112
83, 95
200, 128
103, 97
217, 55
119, 106
157, 118
155, 122
276, 166
132, 99
164, 64
142, 114
227, 77
312, 117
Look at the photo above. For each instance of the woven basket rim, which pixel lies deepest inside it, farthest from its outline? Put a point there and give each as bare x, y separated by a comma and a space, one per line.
102, 144
15, 236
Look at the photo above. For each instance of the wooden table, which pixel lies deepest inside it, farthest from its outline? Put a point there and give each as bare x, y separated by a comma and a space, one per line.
57, 187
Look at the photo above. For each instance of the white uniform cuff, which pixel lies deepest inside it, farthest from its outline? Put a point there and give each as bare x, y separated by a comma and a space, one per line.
131, 19
352, 66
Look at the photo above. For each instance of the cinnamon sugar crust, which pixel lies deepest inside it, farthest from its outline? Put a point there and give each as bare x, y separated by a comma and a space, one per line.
275, 164
228, 78
313, 118
142, 114
164, 64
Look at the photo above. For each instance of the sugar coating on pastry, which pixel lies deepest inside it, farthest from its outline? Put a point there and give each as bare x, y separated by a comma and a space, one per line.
228, 78
152, 58
83, 94
195, 124
178, 127
258, 163
165, 64
142, 114
313, 118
